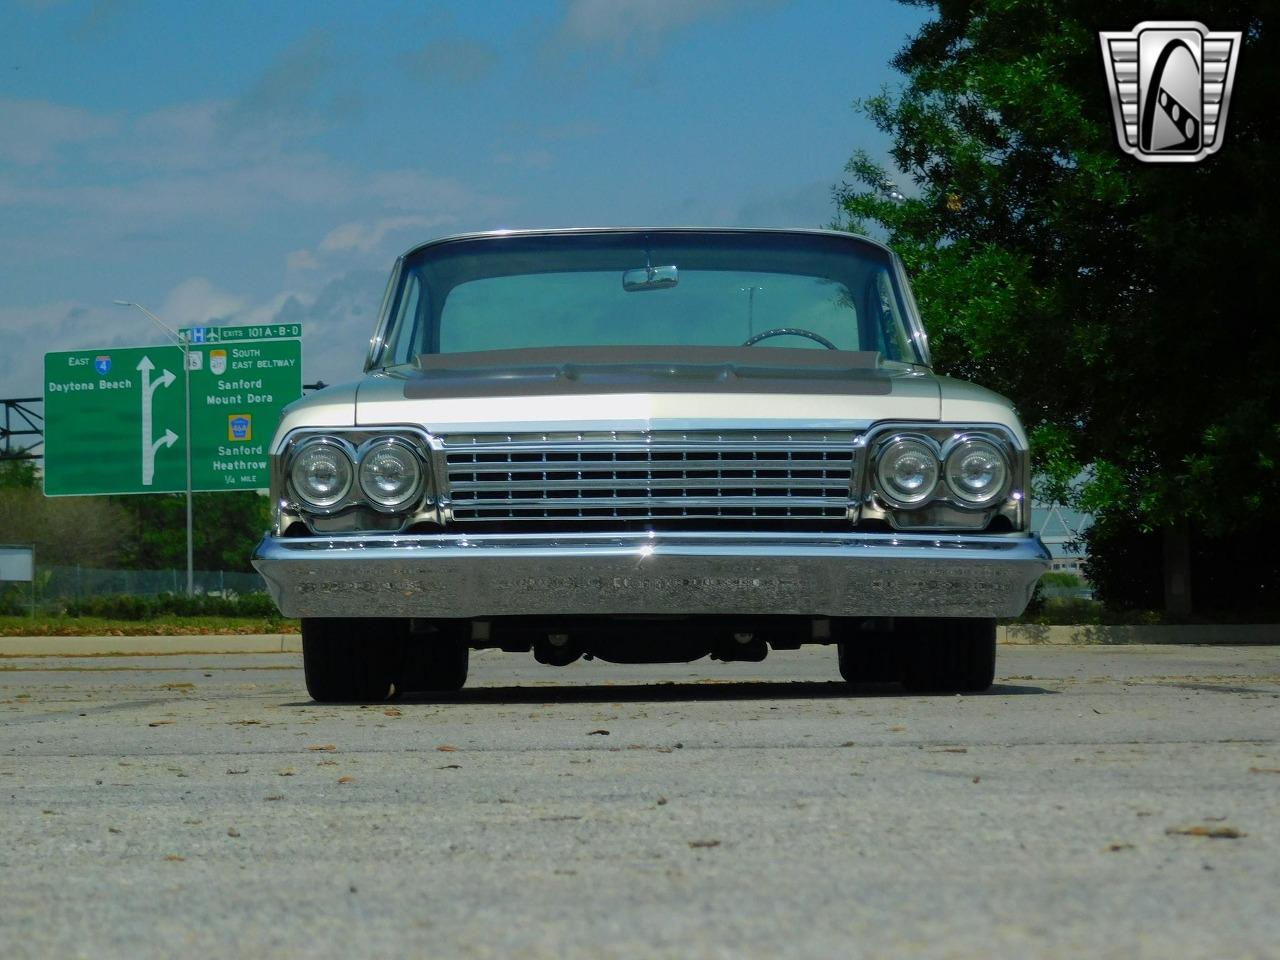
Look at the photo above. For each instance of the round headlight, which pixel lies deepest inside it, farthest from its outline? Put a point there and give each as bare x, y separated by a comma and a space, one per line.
390, 474
321, 473
976, 472
908, 472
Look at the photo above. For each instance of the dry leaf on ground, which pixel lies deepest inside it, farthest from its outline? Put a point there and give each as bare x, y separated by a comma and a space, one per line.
447, 748
347, 779
1200, 830
699, 844
321, 747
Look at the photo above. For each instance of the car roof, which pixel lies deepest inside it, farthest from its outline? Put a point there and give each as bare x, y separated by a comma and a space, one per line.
569, 231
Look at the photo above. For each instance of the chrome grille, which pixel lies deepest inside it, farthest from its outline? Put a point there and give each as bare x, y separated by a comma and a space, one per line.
650, 476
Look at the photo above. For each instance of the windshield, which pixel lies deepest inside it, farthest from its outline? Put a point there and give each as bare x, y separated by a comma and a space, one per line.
647, 288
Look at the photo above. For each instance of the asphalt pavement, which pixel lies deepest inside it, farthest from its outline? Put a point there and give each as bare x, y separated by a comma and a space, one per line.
1097, 802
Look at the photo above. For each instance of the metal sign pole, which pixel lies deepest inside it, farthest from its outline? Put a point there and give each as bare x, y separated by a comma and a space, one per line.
186, 367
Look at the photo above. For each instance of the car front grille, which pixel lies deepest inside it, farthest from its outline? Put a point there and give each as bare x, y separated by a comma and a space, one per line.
650, 476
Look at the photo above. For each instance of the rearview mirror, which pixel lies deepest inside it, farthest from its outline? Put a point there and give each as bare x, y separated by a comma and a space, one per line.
650, 278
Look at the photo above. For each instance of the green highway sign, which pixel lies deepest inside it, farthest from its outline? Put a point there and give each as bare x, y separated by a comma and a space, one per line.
264, 331
237, 392
115, 419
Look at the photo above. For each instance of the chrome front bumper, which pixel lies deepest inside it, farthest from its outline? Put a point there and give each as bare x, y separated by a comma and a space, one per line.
819, 574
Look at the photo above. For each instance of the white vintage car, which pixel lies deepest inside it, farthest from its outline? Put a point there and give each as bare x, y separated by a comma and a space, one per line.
648, 445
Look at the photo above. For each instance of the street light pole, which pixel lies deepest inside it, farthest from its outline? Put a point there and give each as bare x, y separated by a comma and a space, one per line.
185, 344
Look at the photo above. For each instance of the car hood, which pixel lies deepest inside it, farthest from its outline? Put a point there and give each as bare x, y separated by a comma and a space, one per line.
646, 388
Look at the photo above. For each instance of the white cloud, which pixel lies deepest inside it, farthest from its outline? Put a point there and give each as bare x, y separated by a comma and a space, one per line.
535, 159
196, 301
301, 260
177, 166
368, 237
637, 26
296, 92
29, 332
456, 61
337, 318
35, 130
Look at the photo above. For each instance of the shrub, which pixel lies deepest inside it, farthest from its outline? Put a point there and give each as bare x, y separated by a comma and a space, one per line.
129, 607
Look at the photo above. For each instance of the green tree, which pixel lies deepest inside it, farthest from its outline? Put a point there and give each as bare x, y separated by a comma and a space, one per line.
1127, 308
66, 531
18, 472
226, 528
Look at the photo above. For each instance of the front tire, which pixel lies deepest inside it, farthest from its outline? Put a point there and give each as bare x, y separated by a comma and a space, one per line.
436, 658
349, 660
869, 657
948, 655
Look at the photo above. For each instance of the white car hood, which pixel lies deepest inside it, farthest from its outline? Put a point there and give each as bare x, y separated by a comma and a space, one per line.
649, 388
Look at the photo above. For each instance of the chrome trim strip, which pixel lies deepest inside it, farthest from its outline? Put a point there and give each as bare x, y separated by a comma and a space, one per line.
819, 574
377, 341
914, 320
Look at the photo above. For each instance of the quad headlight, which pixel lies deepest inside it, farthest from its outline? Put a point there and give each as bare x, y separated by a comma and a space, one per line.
907, 470
913, 471
976, 472
326, 474
390, 473
321, 473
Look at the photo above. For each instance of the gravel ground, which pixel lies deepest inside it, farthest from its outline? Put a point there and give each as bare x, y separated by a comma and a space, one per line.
152, 806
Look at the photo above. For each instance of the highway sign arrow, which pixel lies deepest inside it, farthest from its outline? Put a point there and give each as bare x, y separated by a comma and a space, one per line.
149, 448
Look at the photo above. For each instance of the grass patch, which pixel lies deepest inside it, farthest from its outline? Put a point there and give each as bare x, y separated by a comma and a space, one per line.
160, 626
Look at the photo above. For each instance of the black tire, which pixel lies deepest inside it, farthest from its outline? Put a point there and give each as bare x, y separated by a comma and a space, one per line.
948, 656
436, 660
350, 660
870, 658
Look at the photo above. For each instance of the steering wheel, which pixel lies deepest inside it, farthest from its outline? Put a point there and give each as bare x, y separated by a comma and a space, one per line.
790, 332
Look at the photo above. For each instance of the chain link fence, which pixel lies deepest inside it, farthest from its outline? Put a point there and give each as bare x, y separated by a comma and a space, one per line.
78, 583
55, 587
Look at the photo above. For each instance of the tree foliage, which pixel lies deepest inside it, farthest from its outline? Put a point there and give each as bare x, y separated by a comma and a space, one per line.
66, 531
145, 532
1126, 308
18, 473
226, 527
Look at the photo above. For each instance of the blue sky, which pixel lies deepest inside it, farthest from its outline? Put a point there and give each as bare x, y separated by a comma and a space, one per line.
240, 162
